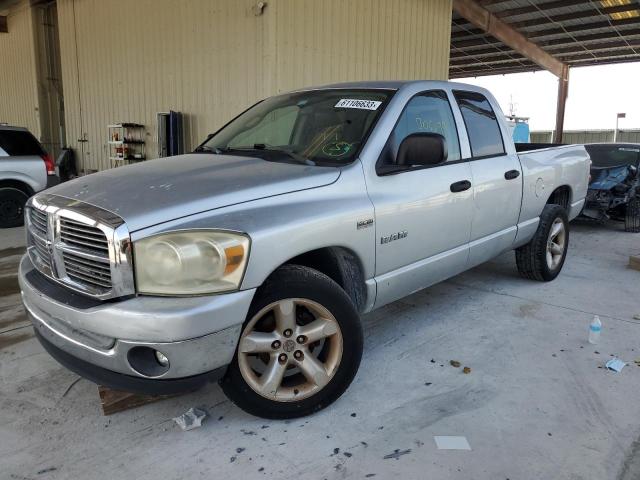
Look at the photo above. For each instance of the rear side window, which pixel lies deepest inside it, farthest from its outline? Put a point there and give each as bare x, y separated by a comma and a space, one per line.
20, 143
482, 125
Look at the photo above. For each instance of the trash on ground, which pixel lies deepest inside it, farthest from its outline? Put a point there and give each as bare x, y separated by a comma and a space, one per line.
455, 363
191, 419
397, 453
466, 370
595, 327
637, 316
615, 364
452, 443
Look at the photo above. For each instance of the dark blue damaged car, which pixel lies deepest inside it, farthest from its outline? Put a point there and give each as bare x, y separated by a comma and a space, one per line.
614, 188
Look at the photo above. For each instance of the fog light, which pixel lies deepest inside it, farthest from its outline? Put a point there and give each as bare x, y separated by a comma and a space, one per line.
162, 359
148, 361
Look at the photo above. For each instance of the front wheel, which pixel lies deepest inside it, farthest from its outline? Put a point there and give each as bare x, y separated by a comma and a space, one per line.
299, 349
632, 216
543, 257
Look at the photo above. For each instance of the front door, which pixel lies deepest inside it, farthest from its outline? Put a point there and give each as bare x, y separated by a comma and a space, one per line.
422, 226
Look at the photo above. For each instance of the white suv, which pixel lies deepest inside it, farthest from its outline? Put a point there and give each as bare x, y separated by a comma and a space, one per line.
25, 168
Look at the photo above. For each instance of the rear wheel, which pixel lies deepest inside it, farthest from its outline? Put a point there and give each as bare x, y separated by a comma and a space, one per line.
300, 346
632, 216
543, 257
12, 202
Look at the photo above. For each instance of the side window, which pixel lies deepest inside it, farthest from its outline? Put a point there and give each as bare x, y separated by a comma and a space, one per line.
275, 127
482, 125
428, 112
19, 143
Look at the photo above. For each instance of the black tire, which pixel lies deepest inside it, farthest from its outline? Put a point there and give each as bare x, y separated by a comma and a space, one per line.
294, 281
532, 257
632, 216
12, 202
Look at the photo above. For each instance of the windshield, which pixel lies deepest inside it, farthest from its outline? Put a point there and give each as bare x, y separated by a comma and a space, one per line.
313, 127
604, 156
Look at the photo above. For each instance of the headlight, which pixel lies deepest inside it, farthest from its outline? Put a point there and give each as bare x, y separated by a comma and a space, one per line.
193, 262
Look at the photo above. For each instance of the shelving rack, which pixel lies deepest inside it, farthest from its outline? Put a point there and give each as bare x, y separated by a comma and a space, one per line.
126, 144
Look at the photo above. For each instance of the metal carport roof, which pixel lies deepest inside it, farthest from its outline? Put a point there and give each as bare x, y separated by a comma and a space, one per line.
575, 32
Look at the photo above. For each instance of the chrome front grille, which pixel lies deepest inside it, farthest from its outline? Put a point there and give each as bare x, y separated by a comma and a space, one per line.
39, 222
91, 271
80, 246
79, 235
42, 249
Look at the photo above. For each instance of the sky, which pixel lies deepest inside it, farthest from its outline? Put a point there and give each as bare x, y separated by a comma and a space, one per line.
596, 95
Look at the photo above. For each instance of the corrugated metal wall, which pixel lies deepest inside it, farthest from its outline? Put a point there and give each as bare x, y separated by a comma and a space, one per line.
126, 60
588, 136
18, 84
137, 58
327, 41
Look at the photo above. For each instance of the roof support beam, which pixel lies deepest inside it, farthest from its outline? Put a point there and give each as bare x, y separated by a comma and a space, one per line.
557, 45
583, 27
563, 92
495, 27
592, 12
3, 24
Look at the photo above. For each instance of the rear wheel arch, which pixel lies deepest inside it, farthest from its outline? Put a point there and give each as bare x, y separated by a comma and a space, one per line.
561, 196
17, 184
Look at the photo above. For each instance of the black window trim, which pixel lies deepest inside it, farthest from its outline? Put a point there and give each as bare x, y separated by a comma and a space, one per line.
397, 169
466, 127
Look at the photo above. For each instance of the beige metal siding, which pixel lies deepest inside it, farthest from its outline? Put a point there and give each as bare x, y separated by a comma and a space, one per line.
137, 58
327, 41
211, 59
18, 85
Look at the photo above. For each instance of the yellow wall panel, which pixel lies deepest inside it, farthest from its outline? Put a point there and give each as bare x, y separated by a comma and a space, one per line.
18, 84
126, 60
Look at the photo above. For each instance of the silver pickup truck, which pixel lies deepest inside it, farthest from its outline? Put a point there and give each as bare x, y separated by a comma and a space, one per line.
251, 260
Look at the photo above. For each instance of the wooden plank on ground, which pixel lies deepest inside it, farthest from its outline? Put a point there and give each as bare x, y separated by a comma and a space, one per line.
114, 401
634, 262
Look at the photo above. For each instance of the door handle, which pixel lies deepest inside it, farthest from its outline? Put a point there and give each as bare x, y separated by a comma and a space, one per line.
460, 186
511, 174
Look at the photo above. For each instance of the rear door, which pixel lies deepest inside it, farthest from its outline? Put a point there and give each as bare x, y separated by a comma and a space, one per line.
497, 178
23, 158
422, 223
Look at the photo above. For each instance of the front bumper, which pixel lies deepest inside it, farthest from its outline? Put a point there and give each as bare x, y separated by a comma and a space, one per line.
198, 334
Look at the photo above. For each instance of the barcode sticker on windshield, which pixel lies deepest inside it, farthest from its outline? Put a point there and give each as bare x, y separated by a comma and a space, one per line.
361, 104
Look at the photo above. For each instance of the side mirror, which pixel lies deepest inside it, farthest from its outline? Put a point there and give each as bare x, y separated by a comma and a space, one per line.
424, 149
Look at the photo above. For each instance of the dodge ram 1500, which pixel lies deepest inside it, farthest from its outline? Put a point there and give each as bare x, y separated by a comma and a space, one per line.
250, 260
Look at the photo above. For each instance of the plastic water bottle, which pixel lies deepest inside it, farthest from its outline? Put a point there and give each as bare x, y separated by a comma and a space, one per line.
594, 330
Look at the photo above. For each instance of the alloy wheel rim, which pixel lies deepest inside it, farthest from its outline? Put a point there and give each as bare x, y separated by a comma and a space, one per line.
290, 350
556, 243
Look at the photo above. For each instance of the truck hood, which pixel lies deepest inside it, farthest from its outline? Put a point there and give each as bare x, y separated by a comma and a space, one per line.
161, 190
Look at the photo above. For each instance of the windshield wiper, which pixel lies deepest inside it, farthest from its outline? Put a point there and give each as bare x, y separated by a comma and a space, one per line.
204, 148
293, 155
257, 147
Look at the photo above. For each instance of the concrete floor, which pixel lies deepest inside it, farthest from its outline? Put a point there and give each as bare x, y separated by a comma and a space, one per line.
536, 405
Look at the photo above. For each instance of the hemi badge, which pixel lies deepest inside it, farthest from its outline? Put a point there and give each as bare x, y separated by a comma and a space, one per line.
364, 223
